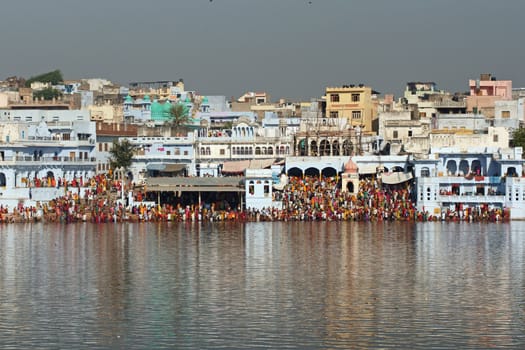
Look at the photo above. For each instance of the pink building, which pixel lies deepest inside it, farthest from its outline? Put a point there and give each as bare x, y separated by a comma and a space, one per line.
485, 92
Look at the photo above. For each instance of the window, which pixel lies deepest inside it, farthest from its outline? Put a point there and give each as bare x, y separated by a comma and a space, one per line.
356, 97
505, 114
266, 188
356, 114
105, 147
251, 188
185, 153
409, 133
422, 114
495, 138
222, 152
395, 134
100, 147
29, 119
334, 114
334, 97
79, 117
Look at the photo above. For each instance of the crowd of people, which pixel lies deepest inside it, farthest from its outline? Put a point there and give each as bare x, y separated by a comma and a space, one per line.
302, 199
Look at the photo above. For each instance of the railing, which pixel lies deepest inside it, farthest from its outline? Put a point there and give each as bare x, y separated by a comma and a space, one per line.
496, 198
47, 159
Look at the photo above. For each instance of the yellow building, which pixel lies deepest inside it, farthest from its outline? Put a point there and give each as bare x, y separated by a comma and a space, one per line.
355, 103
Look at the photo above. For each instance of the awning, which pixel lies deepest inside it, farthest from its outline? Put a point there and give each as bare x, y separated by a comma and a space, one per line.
175, 188
395, 178
241, 165
260, 163
235, 167
166, 167
368, 168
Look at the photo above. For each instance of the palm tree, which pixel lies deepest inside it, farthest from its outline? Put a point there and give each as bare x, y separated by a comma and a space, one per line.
121, 154
179, 118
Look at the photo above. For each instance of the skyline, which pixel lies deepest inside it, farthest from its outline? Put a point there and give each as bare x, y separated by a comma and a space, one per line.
289, 48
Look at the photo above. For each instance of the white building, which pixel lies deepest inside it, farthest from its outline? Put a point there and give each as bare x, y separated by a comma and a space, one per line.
452, 179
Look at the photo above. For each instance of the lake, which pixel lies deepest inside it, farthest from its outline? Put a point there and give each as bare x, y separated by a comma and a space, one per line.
295, 285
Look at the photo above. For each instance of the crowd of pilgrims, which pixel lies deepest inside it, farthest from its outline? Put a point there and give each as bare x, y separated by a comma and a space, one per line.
308, 198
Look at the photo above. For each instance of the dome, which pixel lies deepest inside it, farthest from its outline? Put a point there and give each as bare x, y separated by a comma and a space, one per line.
156, 110
128, 100
187, 100
204, 100
146, 98
351, 167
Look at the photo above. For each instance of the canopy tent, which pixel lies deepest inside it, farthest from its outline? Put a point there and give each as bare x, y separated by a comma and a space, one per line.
234, 167
368, 168
395, 178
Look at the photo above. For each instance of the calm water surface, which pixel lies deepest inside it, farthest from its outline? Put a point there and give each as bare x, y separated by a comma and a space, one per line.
262, 285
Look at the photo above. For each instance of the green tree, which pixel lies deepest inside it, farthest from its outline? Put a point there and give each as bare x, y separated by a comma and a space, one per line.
518, 138
121, 154
179, 118
53, 77
47, 94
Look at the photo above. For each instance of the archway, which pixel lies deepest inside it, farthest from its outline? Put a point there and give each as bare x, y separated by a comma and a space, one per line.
3, 181
302, 147
324, 148
313, 148
476, 167
452, 167
350, 186
335, 148
329, 172
312, 172
464, 167
348, 148
295, 172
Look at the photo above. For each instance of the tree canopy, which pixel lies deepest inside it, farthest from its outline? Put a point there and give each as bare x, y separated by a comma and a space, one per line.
121, 154
518, 138
53, 77
47, 93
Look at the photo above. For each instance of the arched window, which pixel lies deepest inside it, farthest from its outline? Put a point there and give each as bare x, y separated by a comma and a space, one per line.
425, 172
452, 167
270, 150
203, 152
257, 150
208, 151
266, 188
251, 188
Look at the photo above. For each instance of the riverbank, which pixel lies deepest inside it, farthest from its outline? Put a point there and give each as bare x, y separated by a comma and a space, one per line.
303, 199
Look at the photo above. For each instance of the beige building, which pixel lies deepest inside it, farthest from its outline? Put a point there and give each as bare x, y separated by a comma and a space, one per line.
106, 113
357, 104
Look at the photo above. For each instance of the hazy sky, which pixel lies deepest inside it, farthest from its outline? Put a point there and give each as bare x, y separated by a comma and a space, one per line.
289, 48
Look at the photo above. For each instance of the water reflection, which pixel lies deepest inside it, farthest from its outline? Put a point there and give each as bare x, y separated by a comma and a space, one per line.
277, 285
